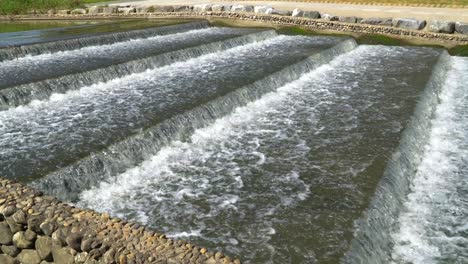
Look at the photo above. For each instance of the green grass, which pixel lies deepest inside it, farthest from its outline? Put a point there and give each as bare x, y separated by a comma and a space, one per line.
461, 50
15, 7
380, 40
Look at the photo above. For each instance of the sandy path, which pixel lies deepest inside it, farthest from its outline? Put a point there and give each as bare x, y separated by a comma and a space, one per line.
428, 13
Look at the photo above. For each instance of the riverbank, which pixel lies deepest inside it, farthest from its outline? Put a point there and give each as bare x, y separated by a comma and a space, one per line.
457, 44
35, 228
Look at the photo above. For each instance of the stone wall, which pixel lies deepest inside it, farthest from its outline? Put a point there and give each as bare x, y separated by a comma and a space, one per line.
435, 26
38, 229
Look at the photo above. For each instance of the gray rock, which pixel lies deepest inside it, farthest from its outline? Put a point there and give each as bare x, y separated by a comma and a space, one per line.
59, 237
28, 256
81, 257
202, 8
461, 28
43, 247
9, 210
109, 256
79, 11
47, 228
62, 255
34, 223
280, 12
126, 10
14, 227
263, 9
141, 9
442, 27
182, 8
163, 9
409, 23
10, 250
311, 14
20, 241
74, 241
329, 17
6, 236
86, 244
220, 8
20, 217
95, 10
30, 235
63, 12
5, 259
347, 19
377, 21
242, 8
109, 10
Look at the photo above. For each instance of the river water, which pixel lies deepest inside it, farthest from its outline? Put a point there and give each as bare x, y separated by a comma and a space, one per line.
270, 148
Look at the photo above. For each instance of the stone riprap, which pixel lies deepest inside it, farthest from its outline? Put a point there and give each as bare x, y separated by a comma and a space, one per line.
37, 229
446, 27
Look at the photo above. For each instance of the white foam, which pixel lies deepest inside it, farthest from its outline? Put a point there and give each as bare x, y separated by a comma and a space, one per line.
436, 208
99, 50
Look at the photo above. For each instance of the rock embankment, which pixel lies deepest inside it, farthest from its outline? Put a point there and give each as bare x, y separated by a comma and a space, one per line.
435, 26
38, 229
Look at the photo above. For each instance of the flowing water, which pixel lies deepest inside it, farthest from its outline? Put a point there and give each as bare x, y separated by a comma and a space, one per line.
271, 148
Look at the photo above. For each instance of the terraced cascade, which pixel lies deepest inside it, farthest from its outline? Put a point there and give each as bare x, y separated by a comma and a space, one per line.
266, 147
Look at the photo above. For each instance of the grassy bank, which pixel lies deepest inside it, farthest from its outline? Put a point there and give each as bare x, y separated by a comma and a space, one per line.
15, 7
461, 50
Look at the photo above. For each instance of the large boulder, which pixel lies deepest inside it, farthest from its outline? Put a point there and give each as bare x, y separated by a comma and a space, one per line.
461, 28
28, 256
242, 8
380, 21
263, 9
309, 14
202, 8
348, 19
221, 8
409, 23
79, 11
329, 17
442, 26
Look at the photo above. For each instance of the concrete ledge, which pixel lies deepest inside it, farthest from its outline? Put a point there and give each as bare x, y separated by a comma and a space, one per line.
40, 229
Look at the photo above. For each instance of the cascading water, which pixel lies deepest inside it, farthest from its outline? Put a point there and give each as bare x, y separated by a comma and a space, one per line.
76, 43
433, 226
282, 163
274, 149
372, 241
131, 151
23, 94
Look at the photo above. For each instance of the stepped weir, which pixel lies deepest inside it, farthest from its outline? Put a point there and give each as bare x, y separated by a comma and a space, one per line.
269, 148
